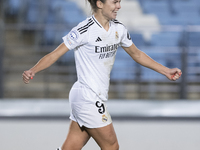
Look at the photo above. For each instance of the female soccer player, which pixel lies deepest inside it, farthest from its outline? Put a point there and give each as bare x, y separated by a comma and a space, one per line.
95, 42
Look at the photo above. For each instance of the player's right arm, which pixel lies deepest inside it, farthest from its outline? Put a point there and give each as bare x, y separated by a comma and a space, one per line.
146, 61
45, 62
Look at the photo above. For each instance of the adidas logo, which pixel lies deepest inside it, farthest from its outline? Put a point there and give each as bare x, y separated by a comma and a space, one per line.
98, 39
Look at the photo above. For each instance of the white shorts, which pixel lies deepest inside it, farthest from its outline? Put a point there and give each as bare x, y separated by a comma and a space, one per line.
87, 109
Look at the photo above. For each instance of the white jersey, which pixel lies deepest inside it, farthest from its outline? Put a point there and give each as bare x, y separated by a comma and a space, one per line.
95, 50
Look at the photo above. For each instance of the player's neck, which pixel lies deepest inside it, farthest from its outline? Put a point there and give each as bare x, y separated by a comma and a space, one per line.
103, 21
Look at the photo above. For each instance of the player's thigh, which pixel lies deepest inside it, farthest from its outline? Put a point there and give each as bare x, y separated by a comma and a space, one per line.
76, 137
105, 137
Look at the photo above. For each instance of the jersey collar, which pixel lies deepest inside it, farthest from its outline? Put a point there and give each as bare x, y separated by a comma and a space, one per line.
98, 22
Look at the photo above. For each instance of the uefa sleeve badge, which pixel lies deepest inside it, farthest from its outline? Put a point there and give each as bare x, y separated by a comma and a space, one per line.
73, 35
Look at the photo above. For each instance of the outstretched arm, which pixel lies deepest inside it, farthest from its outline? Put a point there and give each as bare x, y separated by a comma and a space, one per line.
146, 61
45, 62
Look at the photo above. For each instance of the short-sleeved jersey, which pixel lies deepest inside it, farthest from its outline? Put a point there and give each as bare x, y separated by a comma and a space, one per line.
95, 50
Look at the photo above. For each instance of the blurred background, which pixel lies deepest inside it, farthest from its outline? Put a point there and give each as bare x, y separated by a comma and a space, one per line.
167, 30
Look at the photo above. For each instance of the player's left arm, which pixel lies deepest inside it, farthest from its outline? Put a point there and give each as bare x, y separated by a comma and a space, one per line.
146, 61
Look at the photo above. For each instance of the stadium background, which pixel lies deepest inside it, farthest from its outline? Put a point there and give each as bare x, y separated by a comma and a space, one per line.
153, 112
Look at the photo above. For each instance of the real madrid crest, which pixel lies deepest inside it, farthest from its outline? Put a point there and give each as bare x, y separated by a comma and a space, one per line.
116, 35
104, 118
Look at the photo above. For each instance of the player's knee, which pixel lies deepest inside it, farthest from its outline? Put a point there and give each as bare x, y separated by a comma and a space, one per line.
116, 146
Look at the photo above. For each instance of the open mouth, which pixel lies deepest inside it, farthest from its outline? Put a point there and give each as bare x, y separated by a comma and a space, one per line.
115, 12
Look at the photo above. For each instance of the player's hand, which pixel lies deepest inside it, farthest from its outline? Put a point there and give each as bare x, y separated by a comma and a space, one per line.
27, 76
174, 74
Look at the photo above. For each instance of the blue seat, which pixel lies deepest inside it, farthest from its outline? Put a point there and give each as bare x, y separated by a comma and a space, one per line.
182, 18
33, 12
123, 68
156, 53
190, 18
59, 34
61, 12
51, 36
150, 6
170, 59
174, 12
73, 17
185, 6
67, 58
197, 2
166, 39
173, 60
13, 6
150, 75
122, 54
32, 15
194, 39
56, 5
67, 12
164, 17
50, 18
137, 39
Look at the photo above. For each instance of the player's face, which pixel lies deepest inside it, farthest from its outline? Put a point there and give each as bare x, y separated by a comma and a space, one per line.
110, 8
